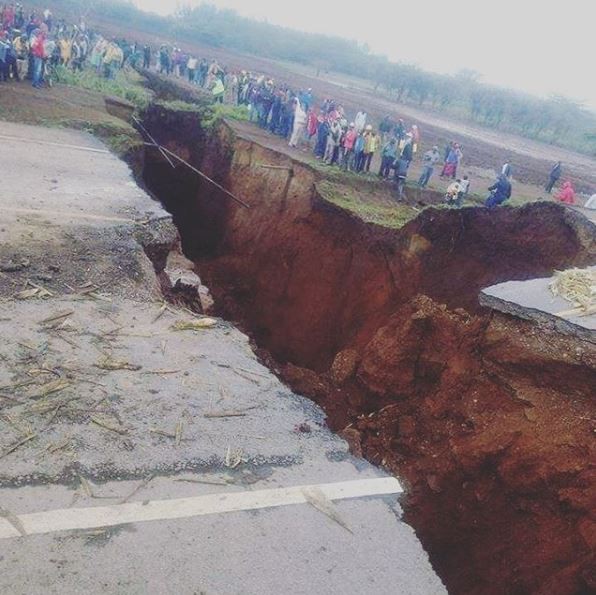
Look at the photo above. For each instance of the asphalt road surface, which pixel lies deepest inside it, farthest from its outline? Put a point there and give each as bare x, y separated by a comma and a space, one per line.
140, 456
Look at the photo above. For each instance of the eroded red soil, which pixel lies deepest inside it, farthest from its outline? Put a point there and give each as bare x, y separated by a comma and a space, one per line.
488, 418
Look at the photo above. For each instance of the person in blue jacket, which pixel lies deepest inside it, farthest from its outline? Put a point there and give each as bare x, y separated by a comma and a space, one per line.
500, 191
322, 134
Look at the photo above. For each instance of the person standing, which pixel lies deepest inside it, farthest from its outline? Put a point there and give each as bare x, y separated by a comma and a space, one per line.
65, 45
218, 90
39, 55
191, 69
322, 133
48, 18
385, 128
400, 130
349, 141
388, 157
359, 153
407, 152
306, 99
555, 174
79, 53
429, 160
112, 60
333, 139
19, 19
164, 60
203, 72
452, 162
360, 121
146, 57
312, 125
299, 124
401, 173
371, 145
8, 16
415, 132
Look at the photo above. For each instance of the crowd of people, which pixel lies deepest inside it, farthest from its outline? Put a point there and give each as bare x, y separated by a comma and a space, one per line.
33, 43
326, 130
323, 127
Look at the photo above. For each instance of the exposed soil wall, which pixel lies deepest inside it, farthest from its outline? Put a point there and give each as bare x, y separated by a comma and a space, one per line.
487, 417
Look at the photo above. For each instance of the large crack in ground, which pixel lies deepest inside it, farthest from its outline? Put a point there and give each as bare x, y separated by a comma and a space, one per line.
488, 418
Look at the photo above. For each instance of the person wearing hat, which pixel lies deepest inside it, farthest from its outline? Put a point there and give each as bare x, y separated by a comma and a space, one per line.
429, 160
371, 145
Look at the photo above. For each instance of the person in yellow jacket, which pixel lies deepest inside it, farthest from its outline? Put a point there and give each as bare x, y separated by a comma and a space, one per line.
65, 47
218, 90
372, 142
112, 60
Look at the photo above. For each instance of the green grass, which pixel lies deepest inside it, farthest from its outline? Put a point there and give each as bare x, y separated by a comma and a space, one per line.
368, 208
127, 84
181, 106
220, 112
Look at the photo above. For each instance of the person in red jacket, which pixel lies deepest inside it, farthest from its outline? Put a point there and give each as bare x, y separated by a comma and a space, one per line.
567, 193
8, 16
312, 125
348, 141
39, 55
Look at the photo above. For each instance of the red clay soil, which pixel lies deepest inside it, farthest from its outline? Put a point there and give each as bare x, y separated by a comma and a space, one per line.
488, 418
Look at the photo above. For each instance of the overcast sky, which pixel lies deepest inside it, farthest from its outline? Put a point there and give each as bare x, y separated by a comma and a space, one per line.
539, 47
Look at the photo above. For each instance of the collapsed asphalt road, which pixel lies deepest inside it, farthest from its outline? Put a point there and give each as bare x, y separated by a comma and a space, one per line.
144, 449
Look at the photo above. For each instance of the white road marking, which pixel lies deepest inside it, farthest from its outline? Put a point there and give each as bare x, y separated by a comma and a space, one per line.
52, 144
71, 519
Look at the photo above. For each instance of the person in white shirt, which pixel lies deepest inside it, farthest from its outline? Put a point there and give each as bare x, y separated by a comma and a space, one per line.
191, 67
452, 194
360, 121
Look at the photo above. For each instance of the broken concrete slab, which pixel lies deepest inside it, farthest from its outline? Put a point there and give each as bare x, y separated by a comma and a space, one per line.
76, 213
533, 300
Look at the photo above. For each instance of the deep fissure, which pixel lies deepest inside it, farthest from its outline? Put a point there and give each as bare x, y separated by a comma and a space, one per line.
479, 412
